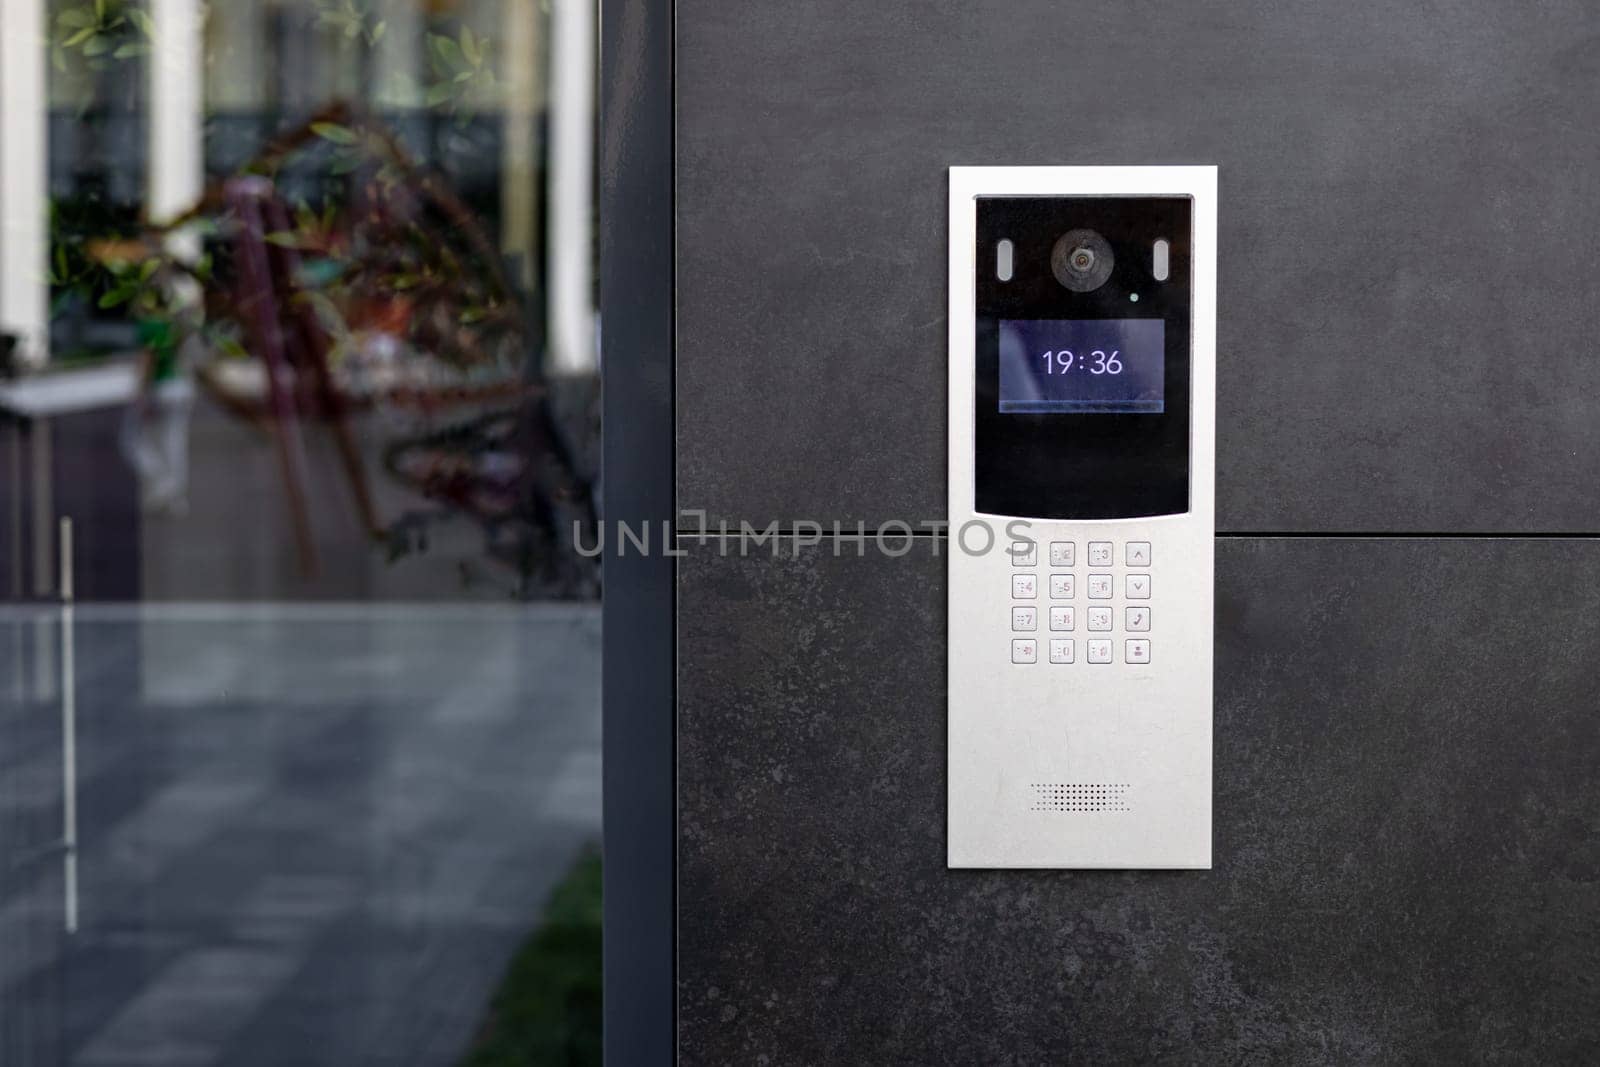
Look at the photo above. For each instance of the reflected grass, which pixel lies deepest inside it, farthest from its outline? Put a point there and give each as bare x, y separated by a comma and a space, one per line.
547, 1009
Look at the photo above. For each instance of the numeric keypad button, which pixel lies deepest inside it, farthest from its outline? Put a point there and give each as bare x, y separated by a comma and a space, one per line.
1062, 618
1099, 587
1099, 649
1099, 618
1024, 619
1062, 587
1060, 650
1138, 587
1024, 553
1024, 650
1024, 587
1063, 554
1138, 620
1100, 553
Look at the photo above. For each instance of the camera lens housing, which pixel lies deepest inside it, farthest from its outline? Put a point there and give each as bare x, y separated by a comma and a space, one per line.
1082, 260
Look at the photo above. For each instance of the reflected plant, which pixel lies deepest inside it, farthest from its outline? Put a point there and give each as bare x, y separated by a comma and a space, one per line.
354, 148
141, 276
312, 232
99, 32
397, 242
134, 285
460, 67
395, 246
383, 281
79, 227
354, 22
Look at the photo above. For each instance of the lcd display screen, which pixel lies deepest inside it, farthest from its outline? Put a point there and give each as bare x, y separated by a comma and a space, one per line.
1082, 366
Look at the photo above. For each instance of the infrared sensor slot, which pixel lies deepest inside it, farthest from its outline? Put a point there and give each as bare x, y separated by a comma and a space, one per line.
1160, 261
1002, 260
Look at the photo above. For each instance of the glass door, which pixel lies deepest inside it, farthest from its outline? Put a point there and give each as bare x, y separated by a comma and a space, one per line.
299, 444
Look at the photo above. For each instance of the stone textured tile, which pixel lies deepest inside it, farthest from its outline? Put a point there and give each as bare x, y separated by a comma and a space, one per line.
1408, 208
1406, 861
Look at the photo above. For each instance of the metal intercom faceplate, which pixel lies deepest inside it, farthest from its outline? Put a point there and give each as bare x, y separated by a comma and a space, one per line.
1082, 429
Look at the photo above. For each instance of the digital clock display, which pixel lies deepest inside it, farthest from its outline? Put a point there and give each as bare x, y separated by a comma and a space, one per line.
1082, 366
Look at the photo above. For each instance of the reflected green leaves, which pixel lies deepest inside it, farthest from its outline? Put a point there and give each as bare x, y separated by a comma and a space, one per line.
100, 32
96, 34
461, 67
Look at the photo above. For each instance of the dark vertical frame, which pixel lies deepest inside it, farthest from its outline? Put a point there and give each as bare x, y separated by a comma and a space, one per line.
636, 315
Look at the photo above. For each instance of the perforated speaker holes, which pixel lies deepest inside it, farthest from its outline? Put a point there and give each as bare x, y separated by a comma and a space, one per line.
1080, 796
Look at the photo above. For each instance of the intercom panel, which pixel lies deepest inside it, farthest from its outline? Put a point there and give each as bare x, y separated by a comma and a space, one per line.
1082, 425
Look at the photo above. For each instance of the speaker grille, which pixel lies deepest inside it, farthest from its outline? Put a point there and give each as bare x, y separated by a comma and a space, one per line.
1080, 796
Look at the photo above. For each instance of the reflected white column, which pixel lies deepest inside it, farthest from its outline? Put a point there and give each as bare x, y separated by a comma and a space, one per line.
24, 179
571, 243
398, 55
523, 97
177, 122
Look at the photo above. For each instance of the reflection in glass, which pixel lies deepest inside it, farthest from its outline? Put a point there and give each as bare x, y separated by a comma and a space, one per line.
301, 727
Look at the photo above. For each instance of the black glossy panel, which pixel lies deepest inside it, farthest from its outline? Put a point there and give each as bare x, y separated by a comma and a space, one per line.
1409, 197
1081, 465
1406, 865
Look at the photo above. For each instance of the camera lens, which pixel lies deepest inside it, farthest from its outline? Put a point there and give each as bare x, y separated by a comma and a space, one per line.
1081, 260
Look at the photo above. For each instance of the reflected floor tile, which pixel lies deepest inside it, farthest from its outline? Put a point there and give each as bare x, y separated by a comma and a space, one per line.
307, 834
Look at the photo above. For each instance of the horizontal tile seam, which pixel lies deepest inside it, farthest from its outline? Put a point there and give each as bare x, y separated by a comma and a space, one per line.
851, 533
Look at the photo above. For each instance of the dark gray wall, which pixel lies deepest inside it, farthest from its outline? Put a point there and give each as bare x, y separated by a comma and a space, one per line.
1406, 860
1406, 807
1410, 203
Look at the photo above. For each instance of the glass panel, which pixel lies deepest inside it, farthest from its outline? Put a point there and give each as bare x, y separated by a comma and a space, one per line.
299, 438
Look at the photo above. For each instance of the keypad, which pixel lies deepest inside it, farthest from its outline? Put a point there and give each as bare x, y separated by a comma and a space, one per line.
1110, 593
